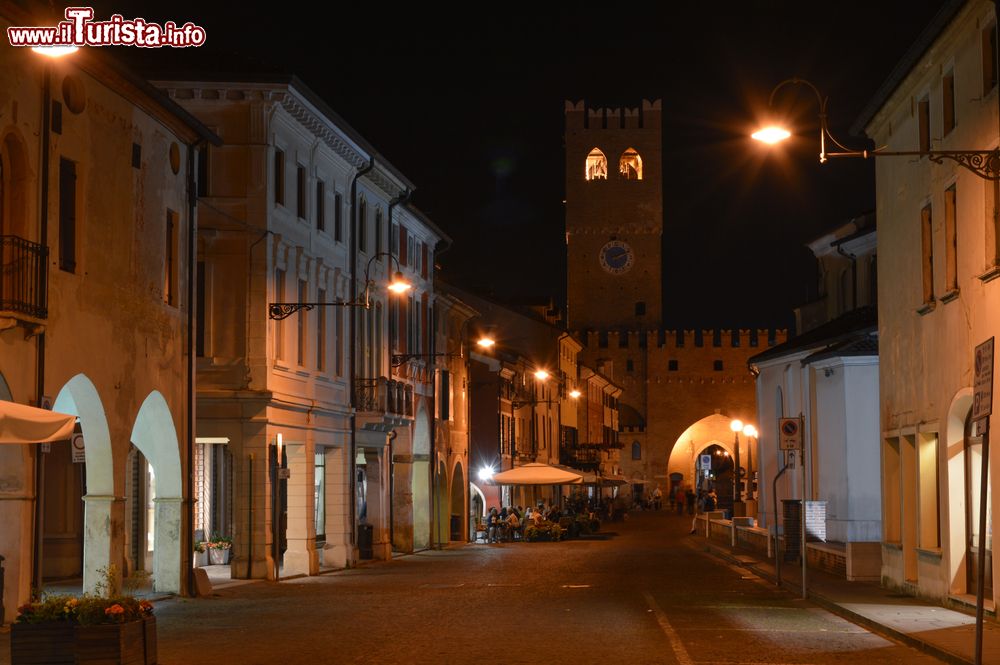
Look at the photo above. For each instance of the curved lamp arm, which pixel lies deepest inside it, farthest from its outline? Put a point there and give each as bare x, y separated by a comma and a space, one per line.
821, 101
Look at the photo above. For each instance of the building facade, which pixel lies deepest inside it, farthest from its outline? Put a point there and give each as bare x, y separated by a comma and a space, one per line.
938, 261
96, 225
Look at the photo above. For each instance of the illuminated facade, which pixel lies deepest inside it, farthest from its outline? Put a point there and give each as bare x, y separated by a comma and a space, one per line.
95, 230
938, 260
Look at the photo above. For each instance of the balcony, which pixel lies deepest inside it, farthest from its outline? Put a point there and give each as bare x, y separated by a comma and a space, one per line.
23, 272
382, 396
584, 459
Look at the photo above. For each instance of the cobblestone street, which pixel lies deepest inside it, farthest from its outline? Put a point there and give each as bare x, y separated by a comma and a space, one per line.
645, 592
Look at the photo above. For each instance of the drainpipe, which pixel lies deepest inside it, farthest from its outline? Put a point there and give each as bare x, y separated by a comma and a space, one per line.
436, 501
43, 233
192, 350
352, 341
774, 499
402, 198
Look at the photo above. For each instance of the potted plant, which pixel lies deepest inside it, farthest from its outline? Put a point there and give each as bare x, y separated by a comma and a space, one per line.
111, 626
200, 555
218, 549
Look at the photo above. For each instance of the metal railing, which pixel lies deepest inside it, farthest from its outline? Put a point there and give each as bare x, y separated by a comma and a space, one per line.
23, 273
383, 396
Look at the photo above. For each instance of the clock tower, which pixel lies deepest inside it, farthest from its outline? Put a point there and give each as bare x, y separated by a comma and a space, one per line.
614, 217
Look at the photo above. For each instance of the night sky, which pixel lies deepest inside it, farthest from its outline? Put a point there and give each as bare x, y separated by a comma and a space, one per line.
468, 104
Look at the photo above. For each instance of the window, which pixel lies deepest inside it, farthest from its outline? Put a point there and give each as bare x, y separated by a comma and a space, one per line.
338, 219
319, 495
947, 103
136, 156
279, 296
717, 365
671, 365
279, 177
320, 205
379, 232
629, 365
170, 260
303, 322
300, 192
630, 165
444, 394
950, 241
597, 166
321, 331
394, 240
203, 171
989, 43
928, 491
927, 245
640, 308
636, 450
67, 215
992, 191
362, 225
924, 124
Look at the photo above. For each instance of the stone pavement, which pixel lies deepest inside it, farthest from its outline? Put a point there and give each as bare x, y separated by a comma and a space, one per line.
938, 631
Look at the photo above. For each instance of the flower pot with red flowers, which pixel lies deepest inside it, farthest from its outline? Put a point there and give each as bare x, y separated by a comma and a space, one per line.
110, 627
218, 550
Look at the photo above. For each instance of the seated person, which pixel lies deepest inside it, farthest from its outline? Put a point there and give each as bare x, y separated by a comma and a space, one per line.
513, 524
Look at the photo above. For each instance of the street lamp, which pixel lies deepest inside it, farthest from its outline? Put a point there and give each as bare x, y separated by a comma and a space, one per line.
736, 426
398, 285
984, 163
750, 432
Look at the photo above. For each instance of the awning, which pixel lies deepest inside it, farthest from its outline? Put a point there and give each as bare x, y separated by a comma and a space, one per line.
20, 423
536, 474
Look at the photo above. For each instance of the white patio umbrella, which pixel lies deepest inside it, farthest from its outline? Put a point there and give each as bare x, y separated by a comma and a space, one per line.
536, 474
20, 423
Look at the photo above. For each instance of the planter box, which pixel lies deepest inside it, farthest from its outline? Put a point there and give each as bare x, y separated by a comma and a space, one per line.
218, 556
132, 643
200, 559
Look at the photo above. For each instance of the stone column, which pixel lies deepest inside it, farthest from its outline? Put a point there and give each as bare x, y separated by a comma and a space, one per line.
336, 551
103, 534
167, 555
300, 557
378, 502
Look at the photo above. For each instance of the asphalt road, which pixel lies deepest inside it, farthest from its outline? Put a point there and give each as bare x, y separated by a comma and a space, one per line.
644, 593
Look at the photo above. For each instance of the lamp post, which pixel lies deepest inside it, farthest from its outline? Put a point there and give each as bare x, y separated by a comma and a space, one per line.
984, 163
750, 432
736, 426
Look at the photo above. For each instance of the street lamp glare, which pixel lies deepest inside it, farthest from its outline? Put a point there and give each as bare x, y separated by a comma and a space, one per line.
399, 283
54, 51
485, 342
736, 425
541, 375
485, 473
771, 135
575, 394
750, 430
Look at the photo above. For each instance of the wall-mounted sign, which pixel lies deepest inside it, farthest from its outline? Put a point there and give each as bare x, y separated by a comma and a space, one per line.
76, 445
704, 461
982, 396
789, 433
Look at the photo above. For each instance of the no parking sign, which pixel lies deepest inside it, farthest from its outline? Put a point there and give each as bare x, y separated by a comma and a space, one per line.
790, 433
76, 445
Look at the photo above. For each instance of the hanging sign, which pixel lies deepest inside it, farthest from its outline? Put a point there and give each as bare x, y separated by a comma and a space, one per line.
704, 461
982, 396
789, 433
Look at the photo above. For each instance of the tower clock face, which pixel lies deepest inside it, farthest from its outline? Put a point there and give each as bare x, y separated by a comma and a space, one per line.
616, 257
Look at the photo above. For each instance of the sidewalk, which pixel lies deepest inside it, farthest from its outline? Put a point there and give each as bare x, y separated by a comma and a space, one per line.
935, 630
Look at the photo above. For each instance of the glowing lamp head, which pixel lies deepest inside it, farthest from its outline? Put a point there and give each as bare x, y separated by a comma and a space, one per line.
399, 283
771, 135
485, 342
736, 425
750, 430
54, 51
575, 394
486, 473
541, 375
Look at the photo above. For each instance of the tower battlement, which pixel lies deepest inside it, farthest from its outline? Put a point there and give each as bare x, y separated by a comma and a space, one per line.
747, 338
579, 116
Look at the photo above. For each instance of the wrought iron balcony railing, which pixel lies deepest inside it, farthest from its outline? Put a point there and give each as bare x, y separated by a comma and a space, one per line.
23, 273
383, 396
